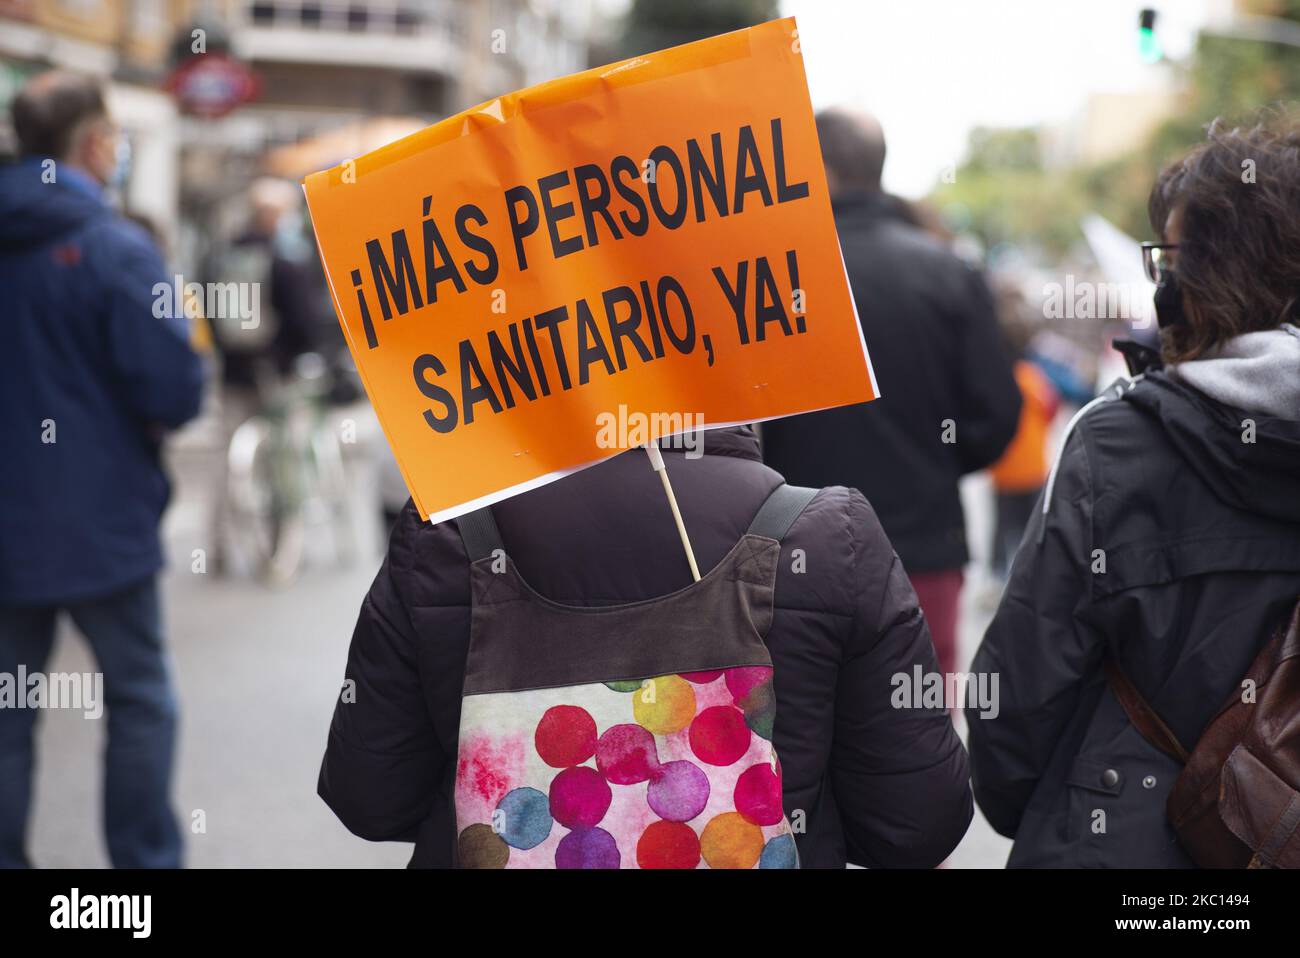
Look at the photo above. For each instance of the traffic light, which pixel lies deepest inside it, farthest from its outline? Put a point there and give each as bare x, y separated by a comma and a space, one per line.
1148, 43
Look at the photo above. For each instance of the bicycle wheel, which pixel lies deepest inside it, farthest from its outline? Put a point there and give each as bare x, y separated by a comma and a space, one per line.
264, 511
329, 491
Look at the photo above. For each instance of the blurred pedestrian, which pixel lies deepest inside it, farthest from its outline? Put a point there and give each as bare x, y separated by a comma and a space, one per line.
275, 254
1168, 541
1019, 475
948, 401
876, 784
92, 377
273, 257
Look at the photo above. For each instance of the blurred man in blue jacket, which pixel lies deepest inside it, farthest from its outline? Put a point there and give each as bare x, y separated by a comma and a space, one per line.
92, 375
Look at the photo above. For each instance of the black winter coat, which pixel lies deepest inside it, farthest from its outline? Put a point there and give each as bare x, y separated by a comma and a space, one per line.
877, 786
948, 402
1169, 543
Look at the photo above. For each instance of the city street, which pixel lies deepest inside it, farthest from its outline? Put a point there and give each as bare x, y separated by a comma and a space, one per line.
257, 671
1014, 319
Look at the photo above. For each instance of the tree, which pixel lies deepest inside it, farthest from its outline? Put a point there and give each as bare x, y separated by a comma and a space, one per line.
655, 24
1004, 196
1228, 79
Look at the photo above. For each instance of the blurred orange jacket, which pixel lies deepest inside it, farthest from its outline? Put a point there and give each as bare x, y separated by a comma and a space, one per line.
1023, 467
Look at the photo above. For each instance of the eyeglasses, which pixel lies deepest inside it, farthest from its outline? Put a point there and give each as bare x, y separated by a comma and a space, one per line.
1157, 261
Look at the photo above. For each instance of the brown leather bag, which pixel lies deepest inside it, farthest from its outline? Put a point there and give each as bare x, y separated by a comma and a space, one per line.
1237, 802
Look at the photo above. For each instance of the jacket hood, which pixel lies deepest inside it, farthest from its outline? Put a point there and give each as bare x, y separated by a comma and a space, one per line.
1257, 372
739, 442
33, 212
1250, 460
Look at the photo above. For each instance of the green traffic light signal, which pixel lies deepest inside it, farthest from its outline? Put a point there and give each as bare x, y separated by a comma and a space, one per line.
1148, 43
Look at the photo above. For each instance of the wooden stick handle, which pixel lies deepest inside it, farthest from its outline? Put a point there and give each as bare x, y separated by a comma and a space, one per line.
657, 463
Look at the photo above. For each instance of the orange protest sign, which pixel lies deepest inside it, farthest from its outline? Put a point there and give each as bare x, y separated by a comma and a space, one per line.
650, 240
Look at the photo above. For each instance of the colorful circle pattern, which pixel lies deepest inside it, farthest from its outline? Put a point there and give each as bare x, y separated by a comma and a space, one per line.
579, 796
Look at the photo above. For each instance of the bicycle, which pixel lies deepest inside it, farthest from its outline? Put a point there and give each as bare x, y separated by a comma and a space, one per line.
285, 472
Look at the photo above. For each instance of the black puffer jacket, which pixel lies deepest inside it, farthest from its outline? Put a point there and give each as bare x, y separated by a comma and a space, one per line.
1170, 543
948, 402
878, 786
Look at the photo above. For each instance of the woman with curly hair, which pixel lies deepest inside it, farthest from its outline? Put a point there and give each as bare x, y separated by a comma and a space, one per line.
1168, 536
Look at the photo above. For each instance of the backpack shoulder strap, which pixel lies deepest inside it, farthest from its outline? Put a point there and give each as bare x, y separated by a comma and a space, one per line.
480, 532
1139, 711
778, 513
479, 529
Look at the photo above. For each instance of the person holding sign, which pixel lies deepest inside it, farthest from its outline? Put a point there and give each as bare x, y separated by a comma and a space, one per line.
541, 675
867, 782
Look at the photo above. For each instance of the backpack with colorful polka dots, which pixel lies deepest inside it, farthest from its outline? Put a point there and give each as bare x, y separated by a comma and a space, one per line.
627, 736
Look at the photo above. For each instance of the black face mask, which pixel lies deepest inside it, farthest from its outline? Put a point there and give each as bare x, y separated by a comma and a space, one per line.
1169, 303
